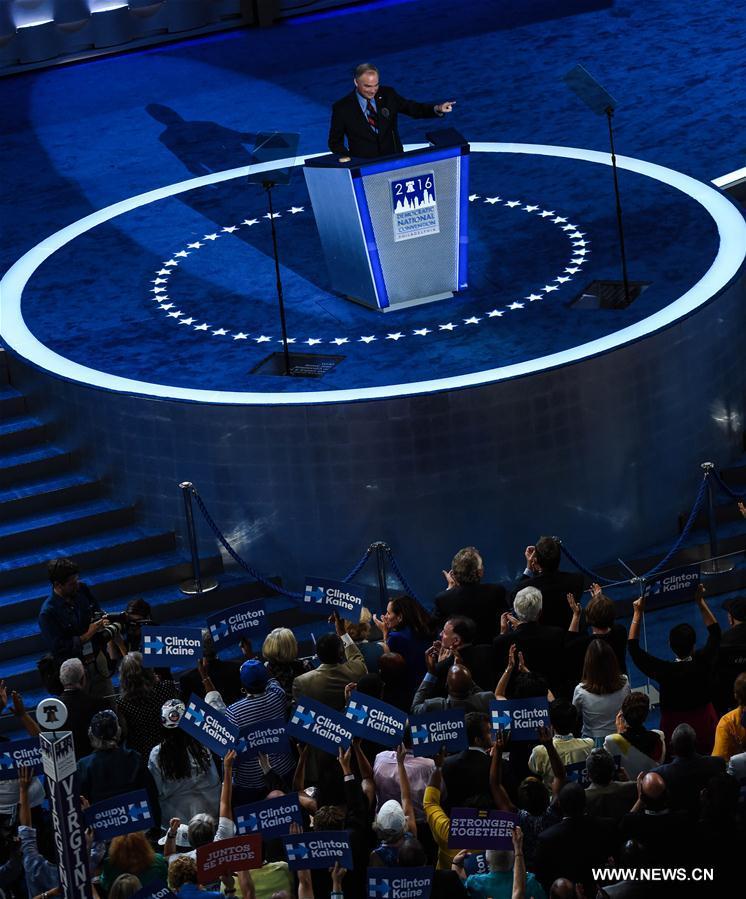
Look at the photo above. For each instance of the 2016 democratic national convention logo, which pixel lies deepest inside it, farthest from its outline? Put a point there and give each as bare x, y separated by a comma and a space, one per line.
399, 883
180, 645
315, 723
415, 208
375, 720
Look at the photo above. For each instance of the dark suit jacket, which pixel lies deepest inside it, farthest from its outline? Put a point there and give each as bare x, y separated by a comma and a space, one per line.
483, 603
80, 709
554, 588
730, 662
685, 778
224, 675
542, 647
465, 775
349, 123
572, 848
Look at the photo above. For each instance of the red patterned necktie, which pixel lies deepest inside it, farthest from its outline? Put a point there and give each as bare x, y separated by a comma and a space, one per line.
371, 116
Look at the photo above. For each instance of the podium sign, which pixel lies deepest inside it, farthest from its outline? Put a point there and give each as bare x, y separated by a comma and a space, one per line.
394, 230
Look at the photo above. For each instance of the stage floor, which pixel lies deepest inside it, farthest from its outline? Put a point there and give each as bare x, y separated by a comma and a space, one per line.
172, 293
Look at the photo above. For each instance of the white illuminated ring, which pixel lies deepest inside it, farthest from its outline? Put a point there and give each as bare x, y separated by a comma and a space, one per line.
730, 256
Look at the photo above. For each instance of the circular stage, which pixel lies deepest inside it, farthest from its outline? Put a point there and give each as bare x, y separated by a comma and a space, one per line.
505, 412
172, 293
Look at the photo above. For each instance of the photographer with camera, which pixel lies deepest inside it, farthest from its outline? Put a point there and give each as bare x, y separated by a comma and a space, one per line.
74, 626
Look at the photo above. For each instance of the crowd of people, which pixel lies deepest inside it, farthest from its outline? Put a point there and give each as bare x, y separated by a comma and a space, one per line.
598, 790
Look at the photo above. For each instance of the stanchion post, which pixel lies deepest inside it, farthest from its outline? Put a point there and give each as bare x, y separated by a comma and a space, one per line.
195, 584
715, 565
381, 550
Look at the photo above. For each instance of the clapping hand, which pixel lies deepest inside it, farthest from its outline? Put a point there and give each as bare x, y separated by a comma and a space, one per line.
574, 605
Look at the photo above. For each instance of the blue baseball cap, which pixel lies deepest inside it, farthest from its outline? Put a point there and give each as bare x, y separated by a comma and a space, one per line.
254, 676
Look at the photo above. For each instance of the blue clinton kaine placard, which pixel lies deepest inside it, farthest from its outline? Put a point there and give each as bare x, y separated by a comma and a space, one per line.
121, 814
270, 818
335, 596
247, 621
439, 730
19, 754
521, 718
400, 883
318, 850
156, 889
676, 585
263, 736
166, 646
210, 728
315, 723
375, 720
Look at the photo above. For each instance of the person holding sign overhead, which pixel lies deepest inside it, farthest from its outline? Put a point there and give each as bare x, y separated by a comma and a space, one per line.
367, 117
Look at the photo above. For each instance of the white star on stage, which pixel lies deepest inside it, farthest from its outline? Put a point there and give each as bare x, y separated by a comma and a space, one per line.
561, 280
367, 339
572, 271
513, 203
160, 281
164, 271
240, 336
158, 289
182, 253
580, 243
211, 237
546, 213
421, 332
313, 340
288, 341
263, 339
533, 296
568, 227
449, 327
160, 298
516, 306
171, 262
250, 222
558, 220
581, 252
579, 261
187, 321
496, 313
203, 327
339, 340
166, 306
230, 229
473, 197
530, 208
394, 336
294, 209
194, 246
578, 234
174, 314
272, 215
548, 288
492, 200
472, 321
220, 332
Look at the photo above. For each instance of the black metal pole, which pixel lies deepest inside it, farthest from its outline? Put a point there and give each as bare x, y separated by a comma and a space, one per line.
280, 299
708, 467
609, 114
381, 573
186, 488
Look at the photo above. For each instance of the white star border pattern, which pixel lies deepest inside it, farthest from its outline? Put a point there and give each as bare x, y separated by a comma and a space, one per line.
579, 256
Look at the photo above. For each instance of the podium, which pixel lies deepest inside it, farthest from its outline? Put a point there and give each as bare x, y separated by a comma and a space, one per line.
394, 229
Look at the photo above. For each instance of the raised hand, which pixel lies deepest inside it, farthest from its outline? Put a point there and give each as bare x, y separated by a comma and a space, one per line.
638, 606
348, 690
574, 604
343, 757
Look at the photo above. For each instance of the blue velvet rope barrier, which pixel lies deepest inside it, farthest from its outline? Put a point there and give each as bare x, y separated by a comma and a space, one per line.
669, 555
398, 572
726, 489
257, 575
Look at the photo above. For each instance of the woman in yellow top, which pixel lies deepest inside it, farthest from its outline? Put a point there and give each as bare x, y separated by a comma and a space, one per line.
730, 736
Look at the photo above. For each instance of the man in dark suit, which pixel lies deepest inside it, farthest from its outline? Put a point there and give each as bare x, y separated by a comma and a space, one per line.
688, 772
467, 774
542, 571
467, 595
731, 657
457, 639
367, 117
